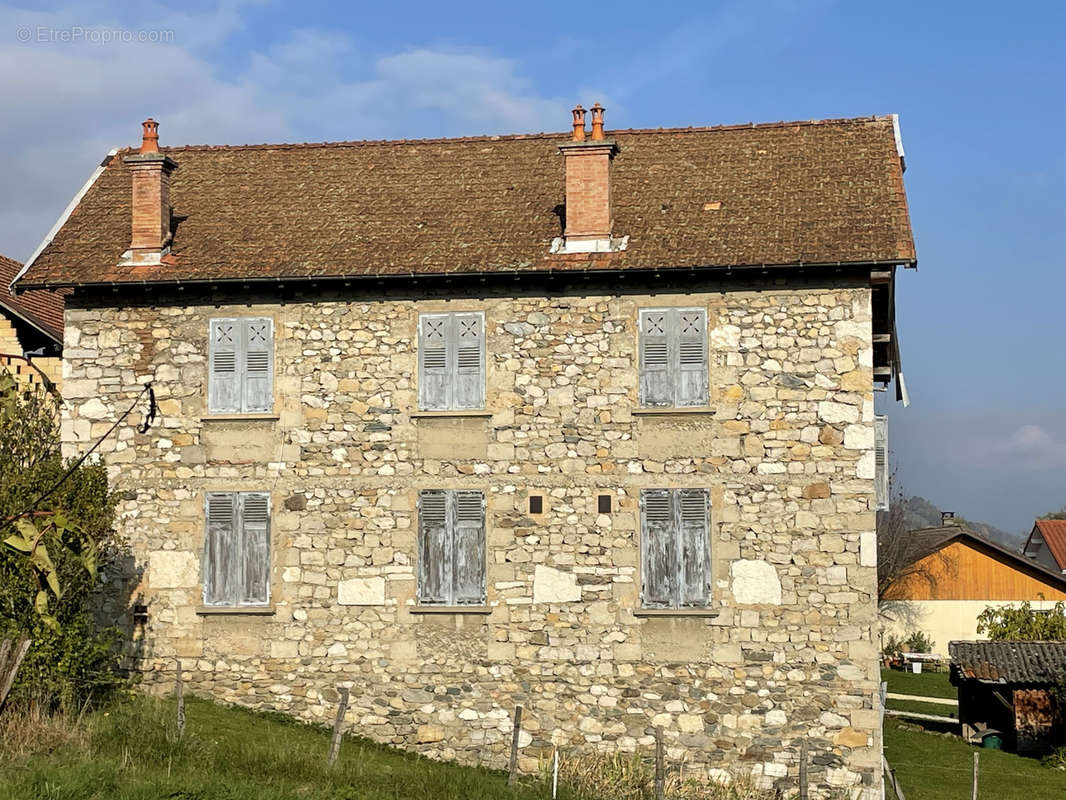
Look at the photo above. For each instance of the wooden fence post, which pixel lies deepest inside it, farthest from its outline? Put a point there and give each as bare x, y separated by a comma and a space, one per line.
338, 725
976, 756
180, 690
891, 773
660, 765
555, 774
11, 656
512, 773
803, 770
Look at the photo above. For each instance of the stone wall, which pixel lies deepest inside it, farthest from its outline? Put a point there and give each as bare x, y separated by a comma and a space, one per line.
786, 448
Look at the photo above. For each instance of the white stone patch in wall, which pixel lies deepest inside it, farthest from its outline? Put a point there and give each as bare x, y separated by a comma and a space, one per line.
93, 409
866, 467
555, 586
849, 329
755, 582
725, 337
868, 549
361, 592
831, 412
859, 437
172, 569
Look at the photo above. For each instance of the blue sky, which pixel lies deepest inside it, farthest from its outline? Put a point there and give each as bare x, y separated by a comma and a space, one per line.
978, 87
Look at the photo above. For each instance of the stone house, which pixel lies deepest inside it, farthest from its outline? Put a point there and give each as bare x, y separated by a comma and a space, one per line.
31, 331
582, 422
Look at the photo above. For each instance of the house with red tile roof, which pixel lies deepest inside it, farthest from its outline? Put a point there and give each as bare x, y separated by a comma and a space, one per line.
30, 322
580, 422
1047, 543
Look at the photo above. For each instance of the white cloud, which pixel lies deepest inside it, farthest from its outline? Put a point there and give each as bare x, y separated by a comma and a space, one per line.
1029, 447
76, 100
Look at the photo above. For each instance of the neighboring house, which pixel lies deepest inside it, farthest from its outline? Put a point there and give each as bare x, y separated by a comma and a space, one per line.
584, 424
1047, 543
1011, 688
953, 576
30, 322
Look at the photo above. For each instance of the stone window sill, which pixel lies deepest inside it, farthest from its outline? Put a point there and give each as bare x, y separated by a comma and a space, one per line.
238, 417
652, 412
457, 413
246, 611
451, 610
676, 612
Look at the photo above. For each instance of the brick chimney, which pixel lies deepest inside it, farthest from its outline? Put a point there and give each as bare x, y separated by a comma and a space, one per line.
588, 188
150, 171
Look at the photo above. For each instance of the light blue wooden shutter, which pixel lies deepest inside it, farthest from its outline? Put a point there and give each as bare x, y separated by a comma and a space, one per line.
221, 564
468, 385
694, 547
434, 338
692, 381
658, 548
881, 475
468, 548
255, 548
434, 556
223, 380
656, 384
258, 374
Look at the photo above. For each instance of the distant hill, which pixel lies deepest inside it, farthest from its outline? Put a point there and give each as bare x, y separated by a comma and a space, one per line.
920, 513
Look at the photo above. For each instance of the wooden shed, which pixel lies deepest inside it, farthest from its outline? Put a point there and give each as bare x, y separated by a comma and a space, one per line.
1011, 688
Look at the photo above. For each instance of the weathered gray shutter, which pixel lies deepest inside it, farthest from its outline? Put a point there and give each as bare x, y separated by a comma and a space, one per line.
469, 376
881, 461
434, 557
658, 548
223, 380
221, 550
692, 381
468, 548
255, 548
656, 385
433, 348
695, 583
258, 375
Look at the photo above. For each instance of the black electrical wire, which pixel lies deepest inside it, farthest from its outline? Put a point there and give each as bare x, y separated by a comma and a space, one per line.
143, 428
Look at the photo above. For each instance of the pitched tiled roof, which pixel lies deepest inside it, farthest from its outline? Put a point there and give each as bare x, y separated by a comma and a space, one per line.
789, 193
41, 309
1008, 662
1054, 533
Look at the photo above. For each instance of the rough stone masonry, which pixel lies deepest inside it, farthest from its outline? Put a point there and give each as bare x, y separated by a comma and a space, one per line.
785, 447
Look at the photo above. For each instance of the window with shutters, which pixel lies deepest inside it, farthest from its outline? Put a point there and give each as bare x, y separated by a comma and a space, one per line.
673, 357
675, 548
451, 361
451, 547
881, 462
236, 565
241, 369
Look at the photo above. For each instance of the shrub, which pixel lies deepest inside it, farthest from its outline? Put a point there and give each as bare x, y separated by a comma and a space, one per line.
1022, 623
918, 642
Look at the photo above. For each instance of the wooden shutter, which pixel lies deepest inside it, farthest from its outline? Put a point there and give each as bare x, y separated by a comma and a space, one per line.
694, 547
468, 548
658, 548
881, 462
468, 339
255, 548
221, 566
223, 381
434, 557
434, 338
692, 381
258, 374
656, 384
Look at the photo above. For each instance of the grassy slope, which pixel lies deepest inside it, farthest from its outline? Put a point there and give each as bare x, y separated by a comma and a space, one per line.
926, 684
132, 754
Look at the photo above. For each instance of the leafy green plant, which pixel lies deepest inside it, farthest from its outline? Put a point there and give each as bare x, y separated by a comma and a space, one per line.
1022, 623
918, 642
894, 645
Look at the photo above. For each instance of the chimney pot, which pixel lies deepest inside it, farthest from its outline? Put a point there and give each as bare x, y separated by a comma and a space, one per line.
597, 122
150, 137
579, 123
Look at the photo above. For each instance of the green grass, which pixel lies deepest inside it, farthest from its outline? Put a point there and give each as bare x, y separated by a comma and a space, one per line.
929, 684
131, 753
931, 766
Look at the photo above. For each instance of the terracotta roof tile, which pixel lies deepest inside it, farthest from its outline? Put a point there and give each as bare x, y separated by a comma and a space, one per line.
43, 309
1054, 533
812, 192
1008, 662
